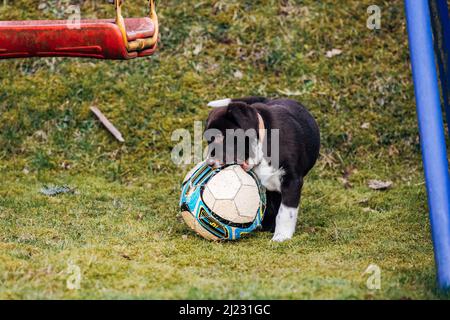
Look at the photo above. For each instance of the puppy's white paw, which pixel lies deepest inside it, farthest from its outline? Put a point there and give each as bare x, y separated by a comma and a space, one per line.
285, 223
279, 237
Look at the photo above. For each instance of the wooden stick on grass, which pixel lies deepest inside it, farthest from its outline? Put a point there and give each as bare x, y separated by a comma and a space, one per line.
108, 125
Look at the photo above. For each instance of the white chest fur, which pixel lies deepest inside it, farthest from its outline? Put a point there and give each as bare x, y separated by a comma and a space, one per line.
269, 176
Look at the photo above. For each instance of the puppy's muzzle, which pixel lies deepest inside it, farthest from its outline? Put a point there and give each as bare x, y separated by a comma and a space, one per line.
214, 163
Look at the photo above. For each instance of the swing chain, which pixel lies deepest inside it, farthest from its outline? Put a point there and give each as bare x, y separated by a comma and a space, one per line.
139, 44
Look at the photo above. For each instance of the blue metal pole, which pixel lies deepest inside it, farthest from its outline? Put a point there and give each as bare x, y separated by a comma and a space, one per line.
442, 47
431, 130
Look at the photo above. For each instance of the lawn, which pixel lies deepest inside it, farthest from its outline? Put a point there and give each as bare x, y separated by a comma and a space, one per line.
121, 231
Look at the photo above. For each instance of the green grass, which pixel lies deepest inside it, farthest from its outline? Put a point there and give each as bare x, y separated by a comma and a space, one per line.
122, 226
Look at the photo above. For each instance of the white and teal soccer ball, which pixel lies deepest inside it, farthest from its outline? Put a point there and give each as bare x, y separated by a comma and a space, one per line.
224, 203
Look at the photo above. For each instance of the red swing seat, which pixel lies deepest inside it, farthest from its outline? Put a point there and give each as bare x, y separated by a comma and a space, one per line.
119, 39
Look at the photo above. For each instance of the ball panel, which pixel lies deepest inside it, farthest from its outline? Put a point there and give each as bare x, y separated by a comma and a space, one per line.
227, 210
247, 201
191, 172
245, 178
189, 219
243, 219
224, 185
194, 225
208, 197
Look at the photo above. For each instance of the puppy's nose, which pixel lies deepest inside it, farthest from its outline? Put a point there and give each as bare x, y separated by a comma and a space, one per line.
214, 163
246, 166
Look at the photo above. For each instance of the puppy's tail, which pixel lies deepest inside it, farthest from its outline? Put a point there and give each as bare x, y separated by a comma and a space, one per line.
252, 100
227, 102
220, 103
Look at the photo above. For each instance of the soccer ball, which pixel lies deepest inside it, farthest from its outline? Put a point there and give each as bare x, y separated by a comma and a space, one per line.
222, 204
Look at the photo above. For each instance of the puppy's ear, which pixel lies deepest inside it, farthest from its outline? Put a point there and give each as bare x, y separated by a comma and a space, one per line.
243, 115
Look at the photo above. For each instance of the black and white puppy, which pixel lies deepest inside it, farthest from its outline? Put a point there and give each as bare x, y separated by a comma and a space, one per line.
299, 142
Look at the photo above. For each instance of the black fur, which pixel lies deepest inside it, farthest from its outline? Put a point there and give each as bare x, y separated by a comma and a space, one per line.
299, 139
